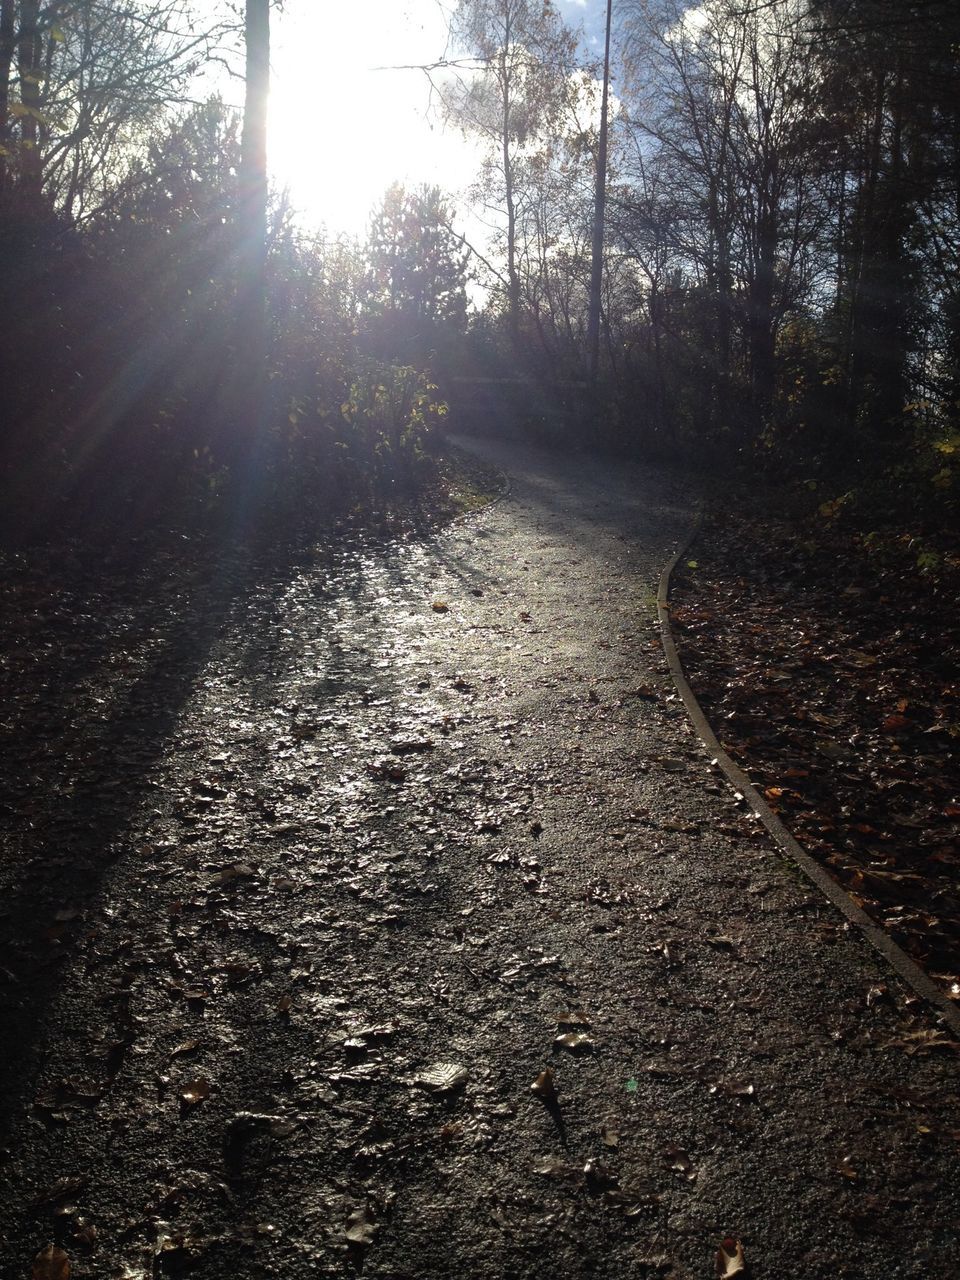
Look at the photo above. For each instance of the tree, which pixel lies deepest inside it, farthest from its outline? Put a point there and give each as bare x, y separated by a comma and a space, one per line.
727, 123
600, 206
82, 84
895, 88
245, 429
513, 96
254, 182
417, 271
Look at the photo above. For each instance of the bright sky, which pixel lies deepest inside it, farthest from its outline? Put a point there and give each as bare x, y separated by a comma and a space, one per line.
340, 130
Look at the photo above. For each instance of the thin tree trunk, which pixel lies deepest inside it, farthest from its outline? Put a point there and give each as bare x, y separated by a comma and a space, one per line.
254, 139
28, 64
251, 372
599, 210
7, 47
513, 279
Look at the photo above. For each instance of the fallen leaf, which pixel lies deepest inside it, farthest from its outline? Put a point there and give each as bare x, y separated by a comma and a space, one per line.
51, 1263
63, 1189
85, 1236
442, 1077
676, 1158
236, 871
599, 1176
924, 1042
632, 1203
196, 1091
730, 1259
574, 1042
361, 1227
734, 1088
721, 942
544, 1086
188, 1046
574, 1018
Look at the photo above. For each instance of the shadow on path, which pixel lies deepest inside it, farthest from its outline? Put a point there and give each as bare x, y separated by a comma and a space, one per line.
99, 664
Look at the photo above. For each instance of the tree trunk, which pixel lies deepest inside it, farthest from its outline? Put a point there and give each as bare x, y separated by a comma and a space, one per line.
250, 375
253, 161
29, 51
513, 278
599, 210
7, 47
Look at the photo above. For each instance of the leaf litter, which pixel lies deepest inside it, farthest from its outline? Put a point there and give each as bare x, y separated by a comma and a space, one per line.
841, 704
321, 973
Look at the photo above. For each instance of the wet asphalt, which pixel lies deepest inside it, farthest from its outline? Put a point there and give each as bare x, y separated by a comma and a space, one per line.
368, 843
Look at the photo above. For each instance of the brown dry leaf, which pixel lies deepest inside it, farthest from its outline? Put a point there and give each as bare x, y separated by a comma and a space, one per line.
722, 942
676, 1158
633, 1203
361, 1227
574, 1042
544, 1086
574, 1018
51, 1263
188, 1046
734, 1089
236, 871
924, 1042
442, 1077
600, 1177
196, 1091
730, 1259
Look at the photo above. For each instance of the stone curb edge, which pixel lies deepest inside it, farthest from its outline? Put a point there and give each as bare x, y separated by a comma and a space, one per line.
899, 961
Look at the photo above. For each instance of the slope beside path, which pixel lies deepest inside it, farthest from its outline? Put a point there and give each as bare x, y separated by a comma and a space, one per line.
333, 860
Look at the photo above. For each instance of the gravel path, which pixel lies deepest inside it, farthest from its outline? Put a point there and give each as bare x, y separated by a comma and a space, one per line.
360, 839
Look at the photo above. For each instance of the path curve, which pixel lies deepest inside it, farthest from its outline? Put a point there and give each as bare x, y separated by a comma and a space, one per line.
420, 811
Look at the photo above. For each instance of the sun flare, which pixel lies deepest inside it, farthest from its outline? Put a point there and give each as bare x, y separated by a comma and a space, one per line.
350, 113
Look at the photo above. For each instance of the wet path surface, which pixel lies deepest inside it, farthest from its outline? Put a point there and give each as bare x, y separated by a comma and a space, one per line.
347, 854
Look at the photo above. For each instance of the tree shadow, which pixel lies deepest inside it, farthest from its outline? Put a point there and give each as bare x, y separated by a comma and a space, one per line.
98, 665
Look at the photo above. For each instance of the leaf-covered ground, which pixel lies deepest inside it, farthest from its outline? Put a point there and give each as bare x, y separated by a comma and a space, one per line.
375, 909
829, 665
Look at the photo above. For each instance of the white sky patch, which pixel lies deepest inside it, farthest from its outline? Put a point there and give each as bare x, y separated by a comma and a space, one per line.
691, 23
340, 129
